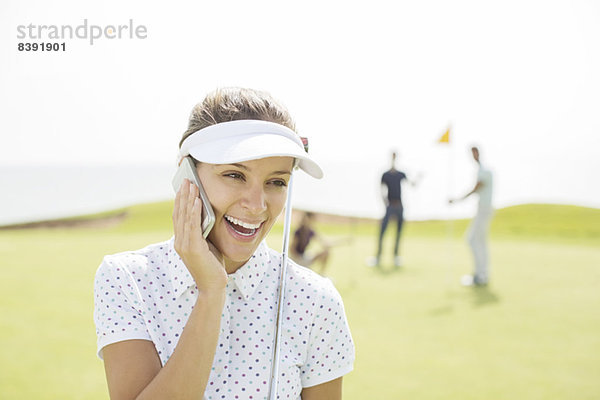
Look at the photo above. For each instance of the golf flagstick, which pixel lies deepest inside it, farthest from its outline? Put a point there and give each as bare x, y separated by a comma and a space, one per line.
284, 261
450, 221
445, 139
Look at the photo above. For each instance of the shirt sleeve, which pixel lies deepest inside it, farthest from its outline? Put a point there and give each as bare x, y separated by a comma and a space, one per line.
330, 353
115, 313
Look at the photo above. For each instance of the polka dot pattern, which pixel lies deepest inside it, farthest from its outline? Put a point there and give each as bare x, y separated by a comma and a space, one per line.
149, 294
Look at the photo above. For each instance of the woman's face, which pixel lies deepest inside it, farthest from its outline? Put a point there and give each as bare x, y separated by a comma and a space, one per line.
247, 198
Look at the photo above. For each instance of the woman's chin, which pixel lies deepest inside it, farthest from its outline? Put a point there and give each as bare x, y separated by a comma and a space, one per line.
236, 257
236, 248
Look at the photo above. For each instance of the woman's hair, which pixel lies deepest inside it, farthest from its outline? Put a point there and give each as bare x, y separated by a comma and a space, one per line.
232, 104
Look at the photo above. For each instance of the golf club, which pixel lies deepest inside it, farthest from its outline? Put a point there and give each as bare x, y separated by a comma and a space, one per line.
284, 261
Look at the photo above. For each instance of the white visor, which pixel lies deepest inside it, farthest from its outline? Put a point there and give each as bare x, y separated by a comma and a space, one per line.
244, 140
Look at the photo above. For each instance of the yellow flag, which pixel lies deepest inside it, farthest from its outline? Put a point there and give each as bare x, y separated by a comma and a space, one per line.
445, 138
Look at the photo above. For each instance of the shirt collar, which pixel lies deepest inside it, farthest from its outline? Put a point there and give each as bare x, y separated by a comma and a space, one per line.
247, 278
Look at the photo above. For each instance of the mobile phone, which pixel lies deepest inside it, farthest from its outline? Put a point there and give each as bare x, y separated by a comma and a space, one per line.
187, 170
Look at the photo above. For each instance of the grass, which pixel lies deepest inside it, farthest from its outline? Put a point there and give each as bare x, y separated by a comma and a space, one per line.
532, 334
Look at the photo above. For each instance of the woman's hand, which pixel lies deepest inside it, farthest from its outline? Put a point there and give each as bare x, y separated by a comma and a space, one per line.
202, 258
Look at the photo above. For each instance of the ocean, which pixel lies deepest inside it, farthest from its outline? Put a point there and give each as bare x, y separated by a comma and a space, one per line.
34, 193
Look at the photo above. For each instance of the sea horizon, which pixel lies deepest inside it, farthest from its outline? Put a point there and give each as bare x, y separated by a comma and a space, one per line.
40, 193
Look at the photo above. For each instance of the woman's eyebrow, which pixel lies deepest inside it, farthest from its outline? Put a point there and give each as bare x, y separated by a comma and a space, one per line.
236, 165
242, 166
281, 173
245, 168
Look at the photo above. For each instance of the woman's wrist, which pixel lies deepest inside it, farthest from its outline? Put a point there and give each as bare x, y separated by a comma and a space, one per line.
211, 284
212, 293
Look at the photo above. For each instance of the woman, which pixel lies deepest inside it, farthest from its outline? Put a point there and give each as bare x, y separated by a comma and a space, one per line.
191, 317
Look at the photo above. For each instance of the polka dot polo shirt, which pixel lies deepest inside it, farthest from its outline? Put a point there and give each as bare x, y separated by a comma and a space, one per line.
149, 294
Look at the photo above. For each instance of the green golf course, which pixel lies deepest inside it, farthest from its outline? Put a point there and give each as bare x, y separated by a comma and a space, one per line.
533, 333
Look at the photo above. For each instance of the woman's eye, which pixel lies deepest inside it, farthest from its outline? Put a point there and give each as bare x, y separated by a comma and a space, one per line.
234, 175
279, 183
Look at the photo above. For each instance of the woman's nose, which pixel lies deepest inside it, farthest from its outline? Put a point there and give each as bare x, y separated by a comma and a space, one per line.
254, 199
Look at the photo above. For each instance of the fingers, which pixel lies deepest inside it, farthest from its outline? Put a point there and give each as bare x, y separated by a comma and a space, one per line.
176, 218
184, 223
179, 207
179, 212
195, 222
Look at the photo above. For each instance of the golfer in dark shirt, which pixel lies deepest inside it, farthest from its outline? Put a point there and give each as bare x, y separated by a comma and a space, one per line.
392, 197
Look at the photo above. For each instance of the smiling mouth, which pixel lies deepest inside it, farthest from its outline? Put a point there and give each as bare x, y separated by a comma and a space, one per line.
241, 227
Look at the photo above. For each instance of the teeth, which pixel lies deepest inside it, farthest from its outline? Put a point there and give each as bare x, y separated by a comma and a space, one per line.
242, 223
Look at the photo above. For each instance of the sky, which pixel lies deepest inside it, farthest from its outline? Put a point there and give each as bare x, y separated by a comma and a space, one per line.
517, 78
